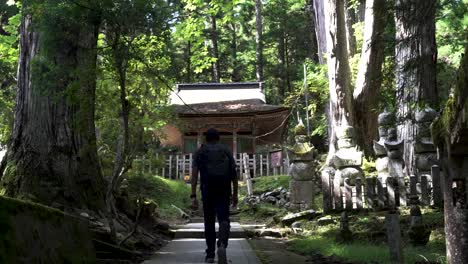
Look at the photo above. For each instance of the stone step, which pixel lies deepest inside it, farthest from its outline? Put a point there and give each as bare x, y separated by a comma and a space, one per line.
196, 230
199, 219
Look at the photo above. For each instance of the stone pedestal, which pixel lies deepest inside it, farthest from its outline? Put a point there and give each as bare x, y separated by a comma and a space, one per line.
347, 161
301, 192
425, 151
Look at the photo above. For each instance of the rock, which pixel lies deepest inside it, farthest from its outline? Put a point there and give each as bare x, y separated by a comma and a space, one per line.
393, 145
326, 220
426, 115
424, 145
302, 171
386, 119
381, 164
270, 199
423, 130
346, 143
379, 149
85, 215
383, 132
347, 157
301, 192
281, 202
271, 233
272, 193
344, 132
425, 161
304, 215
296, 224
351, 173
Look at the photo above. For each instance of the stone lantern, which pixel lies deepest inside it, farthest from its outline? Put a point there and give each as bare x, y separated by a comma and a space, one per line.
302, 169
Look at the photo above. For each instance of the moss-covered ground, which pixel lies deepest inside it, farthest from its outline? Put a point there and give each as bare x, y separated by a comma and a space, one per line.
369, 233
370, 241
163, 192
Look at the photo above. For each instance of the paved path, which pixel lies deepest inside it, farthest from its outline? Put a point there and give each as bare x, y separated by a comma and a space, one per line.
189, 247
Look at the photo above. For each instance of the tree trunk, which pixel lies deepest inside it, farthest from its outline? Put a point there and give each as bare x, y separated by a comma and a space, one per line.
313, 50
214, 50
450, 133
53, 158
415, 58
320, 30
350, 21
361, 11
341, 111
259, 40
369, 78
281, 64
235, 75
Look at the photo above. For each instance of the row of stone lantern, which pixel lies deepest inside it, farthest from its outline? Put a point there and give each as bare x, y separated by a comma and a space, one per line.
347, 161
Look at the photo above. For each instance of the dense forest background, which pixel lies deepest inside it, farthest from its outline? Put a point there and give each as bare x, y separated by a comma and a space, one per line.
84, 86
206, 41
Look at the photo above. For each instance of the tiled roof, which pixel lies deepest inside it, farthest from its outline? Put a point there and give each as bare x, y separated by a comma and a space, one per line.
228, 107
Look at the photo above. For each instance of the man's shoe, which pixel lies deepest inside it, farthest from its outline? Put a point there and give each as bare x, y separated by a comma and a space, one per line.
221, 252
209, 260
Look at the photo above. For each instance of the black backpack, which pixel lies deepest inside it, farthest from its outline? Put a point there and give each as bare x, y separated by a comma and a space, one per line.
215, 165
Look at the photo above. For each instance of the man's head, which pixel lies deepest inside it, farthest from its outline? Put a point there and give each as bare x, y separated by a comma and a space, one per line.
212, 135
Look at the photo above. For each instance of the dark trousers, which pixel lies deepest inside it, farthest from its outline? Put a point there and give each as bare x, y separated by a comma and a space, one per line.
216, 207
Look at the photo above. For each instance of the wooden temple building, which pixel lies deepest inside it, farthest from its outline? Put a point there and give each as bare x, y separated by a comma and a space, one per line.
238, 110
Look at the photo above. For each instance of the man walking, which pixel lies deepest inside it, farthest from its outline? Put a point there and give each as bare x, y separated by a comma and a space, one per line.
217, 170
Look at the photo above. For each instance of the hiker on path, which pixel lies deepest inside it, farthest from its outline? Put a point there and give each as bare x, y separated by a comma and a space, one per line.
217, 170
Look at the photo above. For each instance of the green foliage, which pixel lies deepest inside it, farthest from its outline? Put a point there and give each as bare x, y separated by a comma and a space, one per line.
163, 192
317, 84
8, 61
451, 38
269, 183
370, 239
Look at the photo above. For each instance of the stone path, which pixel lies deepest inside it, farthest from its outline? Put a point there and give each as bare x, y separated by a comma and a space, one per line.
189, 247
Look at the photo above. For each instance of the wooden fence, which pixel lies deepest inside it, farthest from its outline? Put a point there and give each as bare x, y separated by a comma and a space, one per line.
180, 166
377, 193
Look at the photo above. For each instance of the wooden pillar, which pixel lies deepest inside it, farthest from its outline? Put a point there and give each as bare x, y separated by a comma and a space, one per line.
234, 143
267, 164
199, 138
261, 165
170, 166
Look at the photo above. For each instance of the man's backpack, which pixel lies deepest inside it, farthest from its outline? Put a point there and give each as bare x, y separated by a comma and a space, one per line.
215, 165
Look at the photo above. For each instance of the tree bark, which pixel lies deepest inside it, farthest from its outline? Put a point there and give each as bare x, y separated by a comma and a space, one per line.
369, 78
450, 133
341, 111
415, 58
361, 11
235, 75
52, 157
259, 40
214, 50
350, 21
313, 50
281, 63
320, 30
